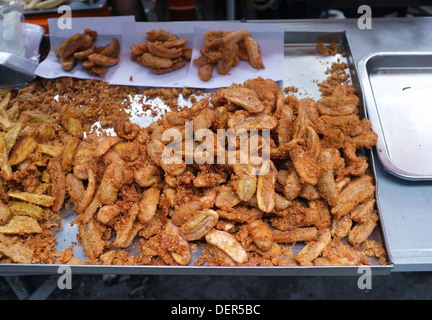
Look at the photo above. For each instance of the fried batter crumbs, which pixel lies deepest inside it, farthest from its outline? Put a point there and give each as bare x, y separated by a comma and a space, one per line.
330, 50
134, 209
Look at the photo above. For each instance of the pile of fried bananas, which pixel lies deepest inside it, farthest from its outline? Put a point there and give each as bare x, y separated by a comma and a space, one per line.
162, 52
81, 47
317, 190
225, 50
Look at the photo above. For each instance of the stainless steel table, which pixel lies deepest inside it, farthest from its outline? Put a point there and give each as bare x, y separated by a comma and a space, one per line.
406, 206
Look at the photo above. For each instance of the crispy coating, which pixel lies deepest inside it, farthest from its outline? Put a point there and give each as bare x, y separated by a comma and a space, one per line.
313, 191
224, 50
80, 47
163, 52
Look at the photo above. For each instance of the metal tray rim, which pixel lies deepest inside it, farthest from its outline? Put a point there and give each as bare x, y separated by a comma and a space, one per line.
51, 269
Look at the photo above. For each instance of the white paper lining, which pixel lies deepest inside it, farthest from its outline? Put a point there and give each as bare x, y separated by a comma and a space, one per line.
129, 32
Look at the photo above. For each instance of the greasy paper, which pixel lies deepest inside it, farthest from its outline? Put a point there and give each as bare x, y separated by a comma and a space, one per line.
129, 32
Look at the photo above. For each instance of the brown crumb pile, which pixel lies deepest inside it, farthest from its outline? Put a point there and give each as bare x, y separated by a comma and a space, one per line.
330, 50
132, 208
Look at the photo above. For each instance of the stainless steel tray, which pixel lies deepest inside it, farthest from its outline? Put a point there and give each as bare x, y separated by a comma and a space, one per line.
397, 91
75, 5
304, 68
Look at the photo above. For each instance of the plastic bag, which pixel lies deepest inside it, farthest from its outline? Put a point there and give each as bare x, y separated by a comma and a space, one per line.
16, 36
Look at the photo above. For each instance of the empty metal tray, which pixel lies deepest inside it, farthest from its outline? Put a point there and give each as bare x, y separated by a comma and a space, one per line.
398, 95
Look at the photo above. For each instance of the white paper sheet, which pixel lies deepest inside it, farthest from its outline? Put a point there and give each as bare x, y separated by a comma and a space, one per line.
106, 27
127, 72
270, 38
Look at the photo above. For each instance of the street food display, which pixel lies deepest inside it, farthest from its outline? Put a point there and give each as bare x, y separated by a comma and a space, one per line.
210, 206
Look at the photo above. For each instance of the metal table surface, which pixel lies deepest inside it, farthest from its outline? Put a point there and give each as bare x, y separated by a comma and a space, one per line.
406, 206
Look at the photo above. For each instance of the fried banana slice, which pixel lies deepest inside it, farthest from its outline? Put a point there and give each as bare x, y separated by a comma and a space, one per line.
261, 234
126, 228
83, 196
111, 182
138, 50
5, 214
148, 175
205, 72
108, 213
265, 190
176, 245
27, 209
226, 197
91, 234
158, 48
103, 61
156, 150
69, 154
72, 44
73, 125
341, 227
228, 244
175, 66
58, 184
240, 214
339, 103
68, 63
326, 183
233, 36
313, 248
245, 182
5, 165
17, 252
229, 55
160, 35
360, 232
112, 50
151, 61
244, 97
254, 53
292, 185
197, 226
12, 135
148, 205
296, 234
357, 191
307, 168
21, 225
39, 199
340, 253
81, 55
22, 149
105, 145
257, 121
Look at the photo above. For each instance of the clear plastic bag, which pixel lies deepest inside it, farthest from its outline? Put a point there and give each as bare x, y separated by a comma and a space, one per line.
16, 36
